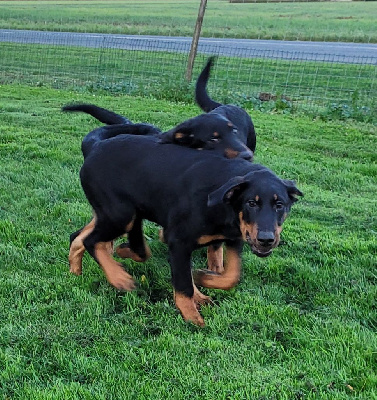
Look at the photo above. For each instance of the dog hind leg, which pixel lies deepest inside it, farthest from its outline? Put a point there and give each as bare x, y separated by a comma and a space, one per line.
136, 248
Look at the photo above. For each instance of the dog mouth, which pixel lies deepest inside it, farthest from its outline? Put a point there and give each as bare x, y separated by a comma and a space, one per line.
259, 251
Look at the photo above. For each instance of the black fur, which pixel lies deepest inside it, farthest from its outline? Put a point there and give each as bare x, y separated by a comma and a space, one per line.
239, 117
199, 198
205, 131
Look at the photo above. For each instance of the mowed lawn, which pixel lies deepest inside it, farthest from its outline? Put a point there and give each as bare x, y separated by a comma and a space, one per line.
300, 325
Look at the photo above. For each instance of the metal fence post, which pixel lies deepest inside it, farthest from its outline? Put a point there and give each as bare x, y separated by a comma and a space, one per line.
195, 39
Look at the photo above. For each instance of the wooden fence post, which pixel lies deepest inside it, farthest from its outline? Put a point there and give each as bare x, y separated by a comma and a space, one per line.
195, 39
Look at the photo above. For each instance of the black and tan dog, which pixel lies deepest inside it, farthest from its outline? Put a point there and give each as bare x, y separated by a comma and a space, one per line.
205, 131
236, 115
216, 134
194, 132
199, 198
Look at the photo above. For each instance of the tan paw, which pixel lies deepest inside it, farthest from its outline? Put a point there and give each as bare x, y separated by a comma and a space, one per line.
120, 279
75, 269
201, 299
187, 307
124, 251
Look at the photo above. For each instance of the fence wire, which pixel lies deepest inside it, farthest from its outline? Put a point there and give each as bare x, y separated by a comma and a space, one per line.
244, 73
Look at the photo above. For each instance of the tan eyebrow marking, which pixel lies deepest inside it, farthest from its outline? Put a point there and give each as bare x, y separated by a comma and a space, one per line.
179, 135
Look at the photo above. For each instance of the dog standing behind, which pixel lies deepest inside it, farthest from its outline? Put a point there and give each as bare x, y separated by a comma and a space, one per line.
238, 116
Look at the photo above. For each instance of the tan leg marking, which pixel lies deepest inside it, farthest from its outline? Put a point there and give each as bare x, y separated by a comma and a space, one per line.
113, 270
161, 235
215, 259
77, 249
124, 251
228, 279
110, 247
187, 307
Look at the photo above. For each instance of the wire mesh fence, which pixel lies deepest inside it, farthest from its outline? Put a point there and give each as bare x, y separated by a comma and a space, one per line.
156, 67
259, 74
347, 21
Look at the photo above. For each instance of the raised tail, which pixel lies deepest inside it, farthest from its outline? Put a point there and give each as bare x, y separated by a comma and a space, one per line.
103, 115
110, 131
201, 95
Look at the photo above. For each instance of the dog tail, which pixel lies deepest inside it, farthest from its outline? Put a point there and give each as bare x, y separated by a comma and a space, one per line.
105, 116
107, 132
201, 96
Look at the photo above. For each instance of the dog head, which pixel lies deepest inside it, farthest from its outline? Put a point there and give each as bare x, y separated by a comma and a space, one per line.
209, 132
262, 202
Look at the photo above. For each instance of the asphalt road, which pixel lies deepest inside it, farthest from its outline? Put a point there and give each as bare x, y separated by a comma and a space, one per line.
363, 53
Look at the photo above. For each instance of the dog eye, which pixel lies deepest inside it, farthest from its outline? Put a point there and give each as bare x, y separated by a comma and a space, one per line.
279, 205
215, 139
252, 203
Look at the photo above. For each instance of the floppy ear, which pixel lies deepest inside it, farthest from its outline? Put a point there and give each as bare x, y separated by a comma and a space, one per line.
181, 134
292, 189
225, 192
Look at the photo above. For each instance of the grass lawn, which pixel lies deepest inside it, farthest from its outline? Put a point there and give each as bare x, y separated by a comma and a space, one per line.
331, 21
300, 325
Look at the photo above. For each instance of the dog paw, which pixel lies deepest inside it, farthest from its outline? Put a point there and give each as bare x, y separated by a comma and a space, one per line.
121, 280
188, 308
201, 299
75, 269
124, 251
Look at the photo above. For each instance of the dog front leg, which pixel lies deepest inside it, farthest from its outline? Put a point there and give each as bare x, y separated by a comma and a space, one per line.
185, 297
232, 270
97, 244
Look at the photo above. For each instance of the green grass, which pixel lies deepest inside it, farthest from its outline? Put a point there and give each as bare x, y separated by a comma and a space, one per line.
300, 325
331, 21
328, 90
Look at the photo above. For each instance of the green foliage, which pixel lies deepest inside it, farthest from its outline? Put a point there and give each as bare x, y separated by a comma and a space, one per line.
351, 110
300, 325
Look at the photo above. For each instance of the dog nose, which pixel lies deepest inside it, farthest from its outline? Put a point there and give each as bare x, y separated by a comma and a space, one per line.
266, 238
